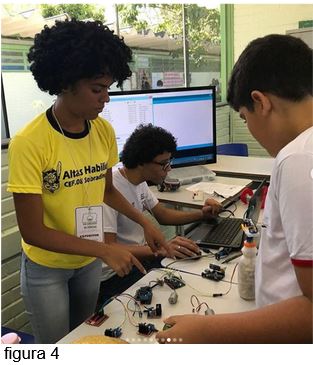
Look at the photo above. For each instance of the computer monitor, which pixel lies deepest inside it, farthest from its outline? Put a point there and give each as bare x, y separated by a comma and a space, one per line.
188, 113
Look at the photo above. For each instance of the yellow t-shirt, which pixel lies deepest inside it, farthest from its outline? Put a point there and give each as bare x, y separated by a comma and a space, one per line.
61, 169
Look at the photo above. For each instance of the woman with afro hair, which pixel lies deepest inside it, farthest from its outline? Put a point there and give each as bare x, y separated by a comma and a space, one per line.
60, 174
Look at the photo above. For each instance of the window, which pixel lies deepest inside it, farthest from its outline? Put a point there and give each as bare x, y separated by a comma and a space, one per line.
14, 60
177, 45
174, 45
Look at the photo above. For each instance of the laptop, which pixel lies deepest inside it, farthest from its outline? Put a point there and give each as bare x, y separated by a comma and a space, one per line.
227, 232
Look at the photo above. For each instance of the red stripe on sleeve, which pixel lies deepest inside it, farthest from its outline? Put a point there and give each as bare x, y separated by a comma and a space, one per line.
307, 263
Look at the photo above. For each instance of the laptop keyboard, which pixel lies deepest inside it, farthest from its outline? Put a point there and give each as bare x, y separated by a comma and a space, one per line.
224, 232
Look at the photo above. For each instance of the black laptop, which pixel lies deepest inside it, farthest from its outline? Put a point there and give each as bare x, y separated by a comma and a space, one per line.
227, 232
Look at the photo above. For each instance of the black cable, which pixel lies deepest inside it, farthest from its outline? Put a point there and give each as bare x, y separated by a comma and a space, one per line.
232, 212
189, 258
231, 283
184, 271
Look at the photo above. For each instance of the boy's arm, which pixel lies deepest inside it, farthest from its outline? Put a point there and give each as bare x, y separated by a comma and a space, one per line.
175, 217
305, 277
141, 252
170, 216
181, 247
116, 200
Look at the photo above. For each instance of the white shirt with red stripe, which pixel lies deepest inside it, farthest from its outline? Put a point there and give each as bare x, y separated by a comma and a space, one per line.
287, 232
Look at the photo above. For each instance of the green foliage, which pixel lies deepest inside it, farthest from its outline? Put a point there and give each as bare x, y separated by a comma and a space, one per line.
77, 11
129, 14
203, 24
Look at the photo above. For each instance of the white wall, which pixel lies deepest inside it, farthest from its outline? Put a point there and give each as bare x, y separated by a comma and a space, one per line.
252, 21
24, 100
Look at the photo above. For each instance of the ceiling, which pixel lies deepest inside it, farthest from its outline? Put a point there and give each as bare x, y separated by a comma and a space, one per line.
28, 24
21, 26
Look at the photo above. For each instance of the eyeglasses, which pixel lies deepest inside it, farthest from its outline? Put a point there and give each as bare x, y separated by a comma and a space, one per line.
165, 165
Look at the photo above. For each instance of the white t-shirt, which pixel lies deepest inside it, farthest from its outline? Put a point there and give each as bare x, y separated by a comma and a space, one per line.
127, 231
287, 233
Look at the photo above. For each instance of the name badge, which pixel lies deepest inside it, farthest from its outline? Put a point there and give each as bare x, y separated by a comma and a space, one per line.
89, 222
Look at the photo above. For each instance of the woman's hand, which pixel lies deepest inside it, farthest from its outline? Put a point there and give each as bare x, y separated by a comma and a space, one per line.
120, 260
155, 239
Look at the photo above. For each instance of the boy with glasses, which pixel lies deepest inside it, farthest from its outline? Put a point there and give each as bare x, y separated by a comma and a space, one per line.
146, 156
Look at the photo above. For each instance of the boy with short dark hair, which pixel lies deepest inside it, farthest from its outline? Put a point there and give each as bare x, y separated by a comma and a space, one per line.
271, 88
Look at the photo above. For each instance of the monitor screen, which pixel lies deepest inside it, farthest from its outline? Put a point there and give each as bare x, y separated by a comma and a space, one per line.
188, 113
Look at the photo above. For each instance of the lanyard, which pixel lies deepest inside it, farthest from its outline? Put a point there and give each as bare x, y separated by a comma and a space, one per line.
85, 189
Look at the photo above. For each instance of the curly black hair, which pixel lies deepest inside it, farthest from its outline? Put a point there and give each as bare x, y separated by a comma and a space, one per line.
145, 143
277, 64
73, 50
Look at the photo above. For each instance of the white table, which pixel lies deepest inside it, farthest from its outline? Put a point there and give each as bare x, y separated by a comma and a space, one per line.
195, 285
238, 166
183, 197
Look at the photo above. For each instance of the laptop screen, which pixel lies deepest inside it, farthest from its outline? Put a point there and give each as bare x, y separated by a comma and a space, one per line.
255, 204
